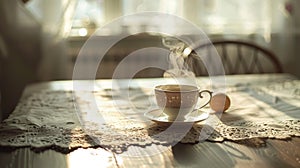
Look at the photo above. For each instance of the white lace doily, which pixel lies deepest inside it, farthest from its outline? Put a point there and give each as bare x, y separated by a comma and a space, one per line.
49, 119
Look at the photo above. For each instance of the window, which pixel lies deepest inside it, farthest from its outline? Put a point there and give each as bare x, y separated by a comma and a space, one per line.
213, 16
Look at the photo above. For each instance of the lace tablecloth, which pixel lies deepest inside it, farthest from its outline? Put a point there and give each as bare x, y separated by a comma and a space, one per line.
65, 121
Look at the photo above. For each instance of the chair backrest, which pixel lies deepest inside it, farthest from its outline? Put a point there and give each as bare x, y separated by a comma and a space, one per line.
238, 57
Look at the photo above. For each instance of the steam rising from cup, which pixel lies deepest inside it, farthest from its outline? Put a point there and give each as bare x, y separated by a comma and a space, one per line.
179, 52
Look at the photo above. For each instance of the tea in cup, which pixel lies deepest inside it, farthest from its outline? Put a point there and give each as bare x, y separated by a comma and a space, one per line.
176, 101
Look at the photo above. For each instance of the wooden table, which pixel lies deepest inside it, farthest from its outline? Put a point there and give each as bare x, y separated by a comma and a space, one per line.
275, 153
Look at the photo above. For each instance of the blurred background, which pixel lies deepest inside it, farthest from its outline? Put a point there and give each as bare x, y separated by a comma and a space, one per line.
40, 39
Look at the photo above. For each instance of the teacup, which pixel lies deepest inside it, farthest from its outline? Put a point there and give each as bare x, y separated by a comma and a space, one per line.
176, 101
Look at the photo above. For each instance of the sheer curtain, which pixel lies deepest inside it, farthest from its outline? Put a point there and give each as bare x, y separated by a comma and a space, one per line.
55, 18
32, 45
19, 52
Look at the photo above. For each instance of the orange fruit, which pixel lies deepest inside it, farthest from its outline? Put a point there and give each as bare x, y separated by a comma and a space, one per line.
220, 102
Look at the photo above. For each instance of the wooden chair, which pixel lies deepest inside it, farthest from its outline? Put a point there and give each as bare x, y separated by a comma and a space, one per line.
238, 57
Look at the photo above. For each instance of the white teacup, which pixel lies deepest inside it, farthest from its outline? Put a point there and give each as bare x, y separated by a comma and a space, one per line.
177, 101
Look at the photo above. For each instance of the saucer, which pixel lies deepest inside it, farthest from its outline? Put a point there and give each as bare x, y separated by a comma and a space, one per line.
158, 116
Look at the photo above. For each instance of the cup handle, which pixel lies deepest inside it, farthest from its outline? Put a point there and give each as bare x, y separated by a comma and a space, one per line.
210, 96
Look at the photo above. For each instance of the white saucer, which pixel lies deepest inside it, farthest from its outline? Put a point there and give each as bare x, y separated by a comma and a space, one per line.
158, 116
